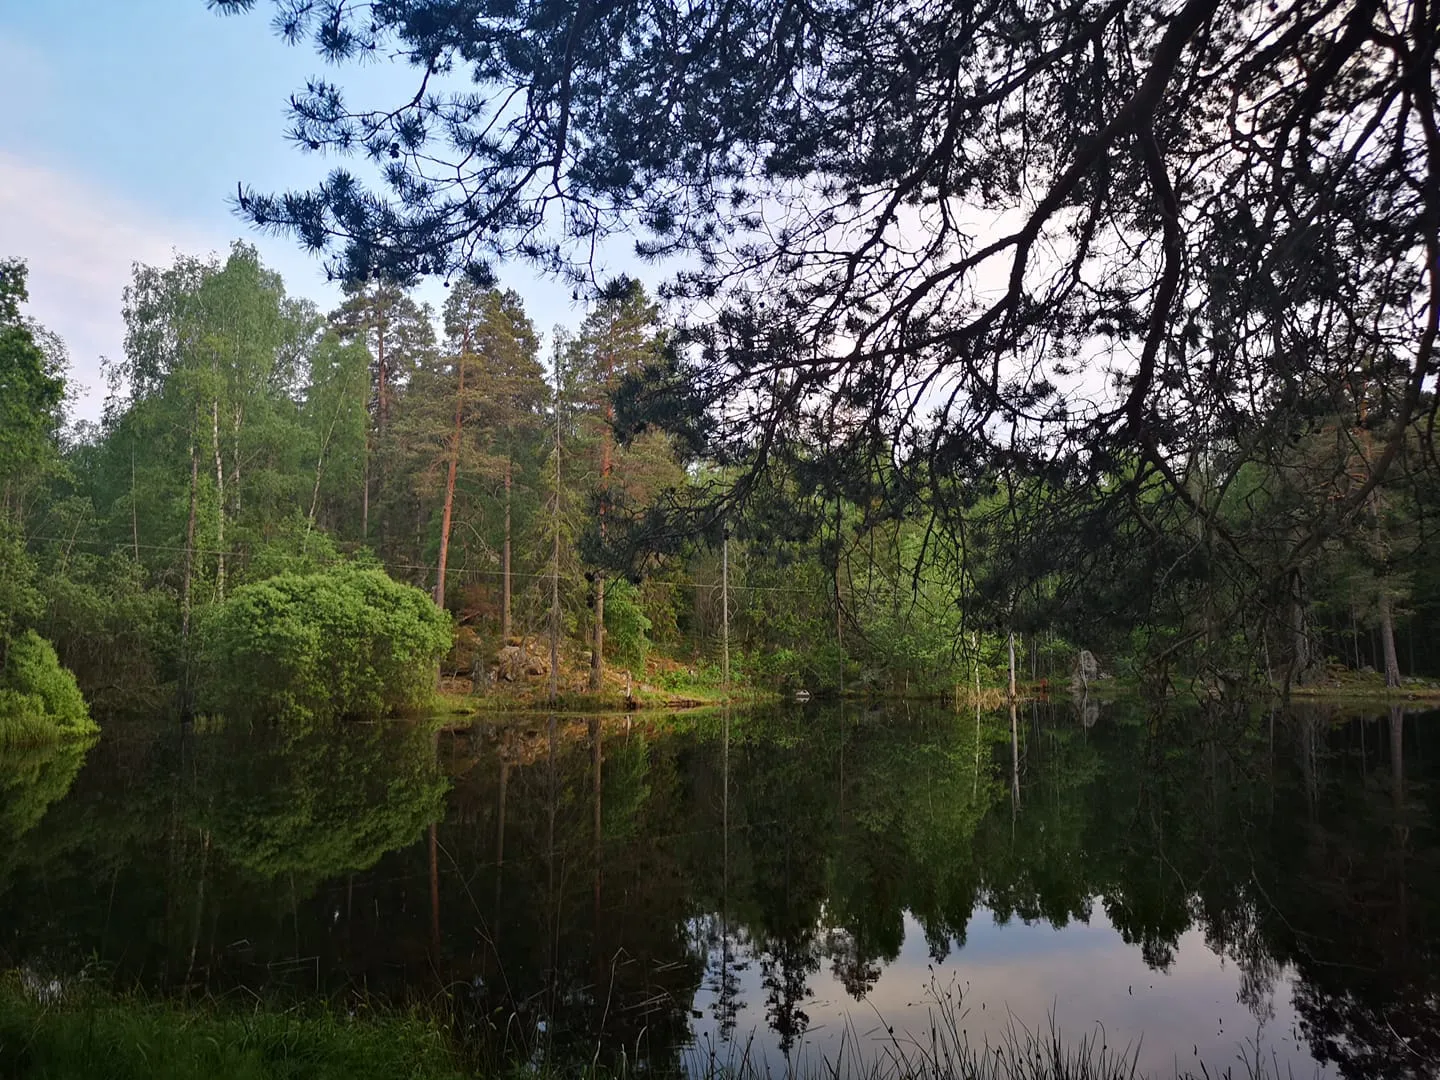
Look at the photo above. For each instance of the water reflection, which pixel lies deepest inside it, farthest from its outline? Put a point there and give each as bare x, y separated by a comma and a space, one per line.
763, 881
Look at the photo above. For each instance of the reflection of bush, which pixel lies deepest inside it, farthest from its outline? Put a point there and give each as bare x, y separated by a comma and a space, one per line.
327, 802
33, 778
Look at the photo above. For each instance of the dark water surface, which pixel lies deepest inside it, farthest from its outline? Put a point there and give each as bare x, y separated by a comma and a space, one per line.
774, 884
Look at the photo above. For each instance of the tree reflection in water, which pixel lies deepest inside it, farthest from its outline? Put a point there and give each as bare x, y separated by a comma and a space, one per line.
574, 889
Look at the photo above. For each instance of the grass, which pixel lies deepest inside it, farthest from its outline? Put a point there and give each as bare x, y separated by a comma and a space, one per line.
75, 1032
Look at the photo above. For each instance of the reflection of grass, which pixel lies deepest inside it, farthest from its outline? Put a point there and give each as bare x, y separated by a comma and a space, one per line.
945, 1052
83, 1034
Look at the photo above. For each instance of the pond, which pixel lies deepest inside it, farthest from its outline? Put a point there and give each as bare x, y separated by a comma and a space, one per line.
779, 887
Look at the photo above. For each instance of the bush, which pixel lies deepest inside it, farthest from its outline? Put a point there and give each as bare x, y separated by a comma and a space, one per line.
39, 700
343, 643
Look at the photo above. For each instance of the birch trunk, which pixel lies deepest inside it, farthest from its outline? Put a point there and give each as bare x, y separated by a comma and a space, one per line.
219, 502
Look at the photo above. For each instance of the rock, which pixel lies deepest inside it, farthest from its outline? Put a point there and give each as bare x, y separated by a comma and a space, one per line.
515, 662
1087, 670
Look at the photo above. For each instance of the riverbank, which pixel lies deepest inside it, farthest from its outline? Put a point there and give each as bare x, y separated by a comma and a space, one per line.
75, 1031
665, 685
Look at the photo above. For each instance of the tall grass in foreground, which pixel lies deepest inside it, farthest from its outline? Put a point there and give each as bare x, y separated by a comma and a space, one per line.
60, 1032
51, 1030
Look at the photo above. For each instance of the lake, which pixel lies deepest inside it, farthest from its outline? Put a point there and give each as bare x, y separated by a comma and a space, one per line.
778, 887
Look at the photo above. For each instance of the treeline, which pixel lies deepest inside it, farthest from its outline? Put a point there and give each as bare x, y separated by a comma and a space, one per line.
247, 434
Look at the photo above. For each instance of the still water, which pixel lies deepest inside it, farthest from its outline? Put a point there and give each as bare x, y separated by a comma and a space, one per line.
784, 886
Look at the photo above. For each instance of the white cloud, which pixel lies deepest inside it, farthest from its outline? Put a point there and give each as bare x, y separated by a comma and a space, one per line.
81, 243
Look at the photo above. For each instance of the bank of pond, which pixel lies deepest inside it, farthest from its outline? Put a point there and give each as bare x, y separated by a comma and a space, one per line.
886, 890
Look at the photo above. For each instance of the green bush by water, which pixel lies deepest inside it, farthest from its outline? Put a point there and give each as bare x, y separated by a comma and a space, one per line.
39, 700
345, 642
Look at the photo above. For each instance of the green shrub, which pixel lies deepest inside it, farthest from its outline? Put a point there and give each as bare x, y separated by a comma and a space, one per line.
627, 627
346, 642
39, 701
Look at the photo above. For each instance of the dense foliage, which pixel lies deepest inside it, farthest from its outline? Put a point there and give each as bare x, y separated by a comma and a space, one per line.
347, 642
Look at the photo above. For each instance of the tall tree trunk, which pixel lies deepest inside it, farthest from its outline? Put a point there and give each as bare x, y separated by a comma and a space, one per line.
219, 501
597, 639
725, 610
505, 558
189, 572
555, 557
1012, 669
375, 433
450, 485
382, 380
1299, 640
134, 515
1387, 638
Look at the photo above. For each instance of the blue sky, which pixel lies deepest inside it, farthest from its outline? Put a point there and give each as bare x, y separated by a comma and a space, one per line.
127, 126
